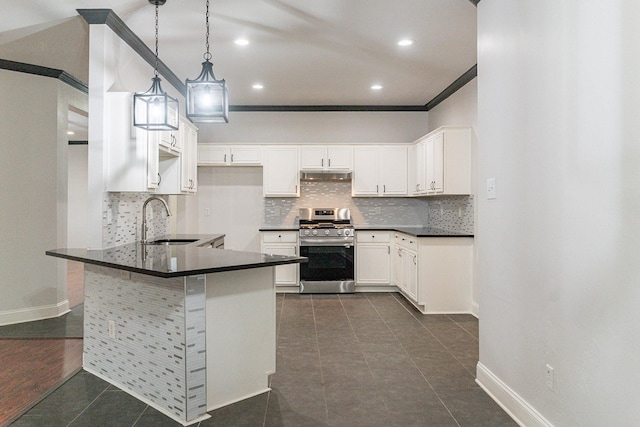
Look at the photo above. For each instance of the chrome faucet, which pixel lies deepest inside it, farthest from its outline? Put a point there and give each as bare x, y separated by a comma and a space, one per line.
144, 215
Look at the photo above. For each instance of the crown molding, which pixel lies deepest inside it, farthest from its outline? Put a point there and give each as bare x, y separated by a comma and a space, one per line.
39, 70
110, 19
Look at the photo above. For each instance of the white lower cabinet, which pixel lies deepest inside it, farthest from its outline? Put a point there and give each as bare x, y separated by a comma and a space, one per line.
373, 259
283, 243
435, 273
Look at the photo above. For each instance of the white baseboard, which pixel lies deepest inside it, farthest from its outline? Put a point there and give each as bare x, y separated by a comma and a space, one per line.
517, 408
30, 314
475, 309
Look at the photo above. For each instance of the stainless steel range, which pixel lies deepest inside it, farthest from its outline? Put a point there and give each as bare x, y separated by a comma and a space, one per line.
327, 240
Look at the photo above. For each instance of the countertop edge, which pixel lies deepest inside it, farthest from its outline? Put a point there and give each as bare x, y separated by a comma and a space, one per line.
408, 230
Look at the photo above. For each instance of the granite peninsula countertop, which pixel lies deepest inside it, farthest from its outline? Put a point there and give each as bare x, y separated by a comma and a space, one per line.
174, 260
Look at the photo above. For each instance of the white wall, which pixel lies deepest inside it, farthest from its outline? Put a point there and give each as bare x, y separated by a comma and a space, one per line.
77, 196
33, 172
460, 109
318, 127
233, 197
558, 249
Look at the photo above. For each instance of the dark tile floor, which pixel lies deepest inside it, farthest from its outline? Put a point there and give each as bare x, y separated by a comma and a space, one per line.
343, 360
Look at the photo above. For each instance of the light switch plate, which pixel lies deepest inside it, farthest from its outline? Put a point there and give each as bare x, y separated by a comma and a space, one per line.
491, 188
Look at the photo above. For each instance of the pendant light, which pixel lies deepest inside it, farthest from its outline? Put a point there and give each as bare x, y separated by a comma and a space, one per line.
207, 98
155, 109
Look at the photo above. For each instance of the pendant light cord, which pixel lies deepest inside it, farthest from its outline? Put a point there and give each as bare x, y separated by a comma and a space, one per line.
156, 68
207, 55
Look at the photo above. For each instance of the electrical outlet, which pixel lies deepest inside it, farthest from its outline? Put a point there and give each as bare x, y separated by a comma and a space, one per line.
112, 329
549, 376
109, 216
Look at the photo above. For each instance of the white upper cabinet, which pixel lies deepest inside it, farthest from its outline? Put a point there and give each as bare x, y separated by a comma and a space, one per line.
210, 154
188, 157
443, 163
281, 176
171, 140
380, 171
326, 157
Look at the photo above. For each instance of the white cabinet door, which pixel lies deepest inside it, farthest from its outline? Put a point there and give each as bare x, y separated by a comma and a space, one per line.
393, 178
435, 163
280, 172
420, 185
312, 157
339, 157
286, 275
153, 158
170, 141
282, 243
223, 155
373, 264
379, 171
398, 276
333, 157
365, 171
189, 158
245, 155
212, 155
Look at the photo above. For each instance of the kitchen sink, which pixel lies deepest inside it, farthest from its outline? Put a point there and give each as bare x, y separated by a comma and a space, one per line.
171, 241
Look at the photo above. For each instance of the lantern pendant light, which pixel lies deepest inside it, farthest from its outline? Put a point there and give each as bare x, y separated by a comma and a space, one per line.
155, 109
207, 98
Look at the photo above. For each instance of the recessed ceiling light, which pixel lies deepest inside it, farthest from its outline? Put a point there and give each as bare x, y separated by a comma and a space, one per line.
70, 132
242, 42
405, 42
258, 86
376, 87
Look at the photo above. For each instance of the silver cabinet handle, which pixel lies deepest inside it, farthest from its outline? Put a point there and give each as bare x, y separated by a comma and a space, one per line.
389, 250
329, 162
159, 178
384, 188
322, 162
377, 190
414, 260
232, 158
225, 158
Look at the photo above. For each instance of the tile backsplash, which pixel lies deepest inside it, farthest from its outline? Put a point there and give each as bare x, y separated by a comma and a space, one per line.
123, 224
453, 213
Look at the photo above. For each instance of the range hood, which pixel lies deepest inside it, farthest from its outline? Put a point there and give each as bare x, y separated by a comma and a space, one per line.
318, 175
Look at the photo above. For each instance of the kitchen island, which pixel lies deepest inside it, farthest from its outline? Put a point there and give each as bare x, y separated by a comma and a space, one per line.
182, 327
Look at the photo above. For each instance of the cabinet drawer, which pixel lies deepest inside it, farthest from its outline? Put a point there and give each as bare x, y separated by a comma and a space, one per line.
373, 236
280, 237
404, 240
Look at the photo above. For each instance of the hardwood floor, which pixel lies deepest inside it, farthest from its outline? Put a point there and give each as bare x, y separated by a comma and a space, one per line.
31, 369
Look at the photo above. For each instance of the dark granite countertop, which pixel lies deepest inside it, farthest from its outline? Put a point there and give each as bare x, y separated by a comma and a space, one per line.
279, 228
414, 231
174, 260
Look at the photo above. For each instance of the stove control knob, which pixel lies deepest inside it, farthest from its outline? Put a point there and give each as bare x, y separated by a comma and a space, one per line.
347, 232
340, 232
306, 232
327, 232
314, 232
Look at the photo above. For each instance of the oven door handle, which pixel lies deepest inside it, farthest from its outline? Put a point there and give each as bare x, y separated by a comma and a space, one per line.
323, 242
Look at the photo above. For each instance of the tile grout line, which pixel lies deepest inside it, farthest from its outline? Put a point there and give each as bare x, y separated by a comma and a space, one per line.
324, 389
413, 361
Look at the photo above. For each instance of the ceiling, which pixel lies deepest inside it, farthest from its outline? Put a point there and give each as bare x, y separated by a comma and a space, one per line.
304, 53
